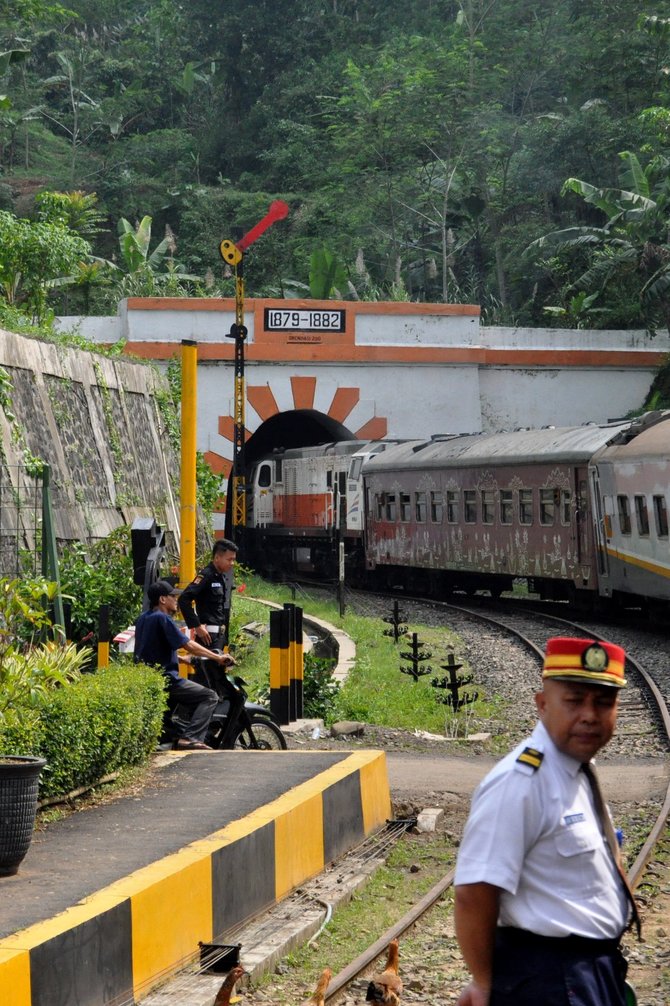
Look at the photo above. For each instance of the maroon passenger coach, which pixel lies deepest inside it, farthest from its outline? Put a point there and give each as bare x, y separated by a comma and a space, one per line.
480, 511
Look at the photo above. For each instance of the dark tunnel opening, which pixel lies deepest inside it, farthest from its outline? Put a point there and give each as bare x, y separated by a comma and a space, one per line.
297, 428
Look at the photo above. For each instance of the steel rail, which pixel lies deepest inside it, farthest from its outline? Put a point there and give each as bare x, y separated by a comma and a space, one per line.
364, 960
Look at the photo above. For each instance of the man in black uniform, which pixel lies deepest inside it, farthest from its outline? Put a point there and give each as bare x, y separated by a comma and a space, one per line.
208, 592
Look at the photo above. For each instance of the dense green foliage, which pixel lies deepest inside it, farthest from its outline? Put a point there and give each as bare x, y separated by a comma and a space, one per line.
33, 660
97, 575
423, 143
94, 726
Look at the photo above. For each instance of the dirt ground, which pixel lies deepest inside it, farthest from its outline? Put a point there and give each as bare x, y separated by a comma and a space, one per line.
458, 776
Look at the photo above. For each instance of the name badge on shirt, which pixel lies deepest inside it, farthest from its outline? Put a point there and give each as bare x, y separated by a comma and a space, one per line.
217, 586
573, 819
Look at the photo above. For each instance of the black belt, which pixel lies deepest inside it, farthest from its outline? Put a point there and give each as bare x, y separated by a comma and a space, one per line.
509, 936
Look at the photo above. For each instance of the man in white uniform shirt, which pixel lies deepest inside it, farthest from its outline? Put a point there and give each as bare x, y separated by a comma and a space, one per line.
540, 902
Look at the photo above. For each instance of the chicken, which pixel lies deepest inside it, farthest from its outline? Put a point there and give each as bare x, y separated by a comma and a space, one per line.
226, 990
386, 987
319, 996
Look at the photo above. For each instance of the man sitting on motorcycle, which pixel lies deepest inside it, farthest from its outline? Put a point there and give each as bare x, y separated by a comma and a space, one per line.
157, 640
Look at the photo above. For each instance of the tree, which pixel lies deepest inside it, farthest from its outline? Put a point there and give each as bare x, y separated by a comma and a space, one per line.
632, 246
32, 257
76, 210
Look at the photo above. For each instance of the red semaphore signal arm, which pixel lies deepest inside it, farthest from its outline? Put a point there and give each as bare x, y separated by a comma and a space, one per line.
231, 251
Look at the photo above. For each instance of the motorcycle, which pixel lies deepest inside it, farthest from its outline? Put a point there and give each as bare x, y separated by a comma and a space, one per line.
236, 723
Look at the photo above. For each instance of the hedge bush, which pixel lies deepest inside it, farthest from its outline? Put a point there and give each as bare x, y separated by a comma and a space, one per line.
88, 729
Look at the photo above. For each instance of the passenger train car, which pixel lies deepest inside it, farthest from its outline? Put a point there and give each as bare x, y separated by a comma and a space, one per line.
479, 512
630, 485
580, 513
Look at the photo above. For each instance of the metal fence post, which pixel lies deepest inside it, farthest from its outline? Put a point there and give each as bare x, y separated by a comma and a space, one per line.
50, 569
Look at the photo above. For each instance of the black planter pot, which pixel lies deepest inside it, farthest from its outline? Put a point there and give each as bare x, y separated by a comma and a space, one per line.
19, 782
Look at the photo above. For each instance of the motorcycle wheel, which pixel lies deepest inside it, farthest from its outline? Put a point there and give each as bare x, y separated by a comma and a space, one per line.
267, 735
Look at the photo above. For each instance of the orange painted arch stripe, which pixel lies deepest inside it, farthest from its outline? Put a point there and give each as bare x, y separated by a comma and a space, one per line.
420, 355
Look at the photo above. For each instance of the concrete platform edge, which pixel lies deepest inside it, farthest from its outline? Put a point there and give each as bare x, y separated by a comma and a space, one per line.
128, 936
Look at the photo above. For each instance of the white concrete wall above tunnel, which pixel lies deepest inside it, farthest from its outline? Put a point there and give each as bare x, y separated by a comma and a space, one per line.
377, 329
513, 397
398, 369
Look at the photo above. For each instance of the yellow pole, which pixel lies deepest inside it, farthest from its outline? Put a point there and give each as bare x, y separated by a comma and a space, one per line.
189, 401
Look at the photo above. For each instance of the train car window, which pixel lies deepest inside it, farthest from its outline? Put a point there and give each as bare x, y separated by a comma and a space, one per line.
405, 506
452, 506
379, 506
355, 469
547, 506
566, 500
506, 507
624, 514
470, 506
420, 508
661, 516
525, 506
642, 515
488, 506
279, 470
436, 507
265, 476
390, 506
329, 479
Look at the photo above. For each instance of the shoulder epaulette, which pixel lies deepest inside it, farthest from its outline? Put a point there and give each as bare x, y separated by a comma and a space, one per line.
532, 757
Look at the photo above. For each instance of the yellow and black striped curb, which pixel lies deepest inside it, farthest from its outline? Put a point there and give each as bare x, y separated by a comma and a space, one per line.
125, 938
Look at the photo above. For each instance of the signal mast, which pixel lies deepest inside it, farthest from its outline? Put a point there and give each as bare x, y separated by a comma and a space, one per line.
233, 254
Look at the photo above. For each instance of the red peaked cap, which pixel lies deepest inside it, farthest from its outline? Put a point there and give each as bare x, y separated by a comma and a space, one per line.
591, 661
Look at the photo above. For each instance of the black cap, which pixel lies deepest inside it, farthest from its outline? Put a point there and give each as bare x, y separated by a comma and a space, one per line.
161, 588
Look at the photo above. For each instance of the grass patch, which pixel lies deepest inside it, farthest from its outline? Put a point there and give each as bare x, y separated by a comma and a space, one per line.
376, 691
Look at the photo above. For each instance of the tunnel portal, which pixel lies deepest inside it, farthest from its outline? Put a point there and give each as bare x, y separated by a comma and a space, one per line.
295, 428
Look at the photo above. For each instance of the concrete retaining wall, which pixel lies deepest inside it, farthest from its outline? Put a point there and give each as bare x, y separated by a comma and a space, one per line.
95, 421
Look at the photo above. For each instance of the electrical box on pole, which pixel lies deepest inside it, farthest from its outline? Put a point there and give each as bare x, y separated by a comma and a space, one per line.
233, 254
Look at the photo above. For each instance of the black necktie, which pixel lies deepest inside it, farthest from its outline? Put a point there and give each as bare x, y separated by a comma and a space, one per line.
607, 829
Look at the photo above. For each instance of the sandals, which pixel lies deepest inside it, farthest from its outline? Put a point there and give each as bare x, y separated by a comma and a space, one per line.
186, 744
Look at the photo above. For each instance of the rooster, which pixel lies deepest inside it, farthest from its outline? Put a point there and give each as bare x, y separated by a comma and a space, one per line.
226, 990
318, 998
386, 987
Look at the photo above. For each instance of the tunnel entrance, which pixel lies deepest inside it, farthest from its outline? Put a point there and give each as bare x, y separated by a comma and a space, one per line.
295, 428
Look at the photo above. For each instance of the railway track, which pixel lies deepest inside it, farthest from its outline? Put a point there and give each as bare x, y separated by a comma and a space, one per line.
644, 719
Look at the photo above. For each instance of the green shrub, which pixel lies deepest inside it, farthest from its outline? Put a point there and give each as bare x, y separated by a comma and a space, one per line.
103, 574
319, 690
103, 722
29, 666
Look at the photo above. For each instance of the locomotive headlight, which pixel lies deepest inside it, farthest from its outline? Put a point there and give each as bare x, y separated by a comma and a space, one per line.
594, 658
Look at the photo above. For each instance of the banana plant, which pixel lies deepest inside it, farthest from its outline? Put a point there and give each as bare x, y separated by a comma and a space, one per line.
326, 274
134, 245
7, 59
632, 243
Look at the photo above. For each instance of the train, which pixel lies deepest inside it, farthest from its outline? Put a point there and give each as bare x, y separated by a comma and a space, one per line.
578, 513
